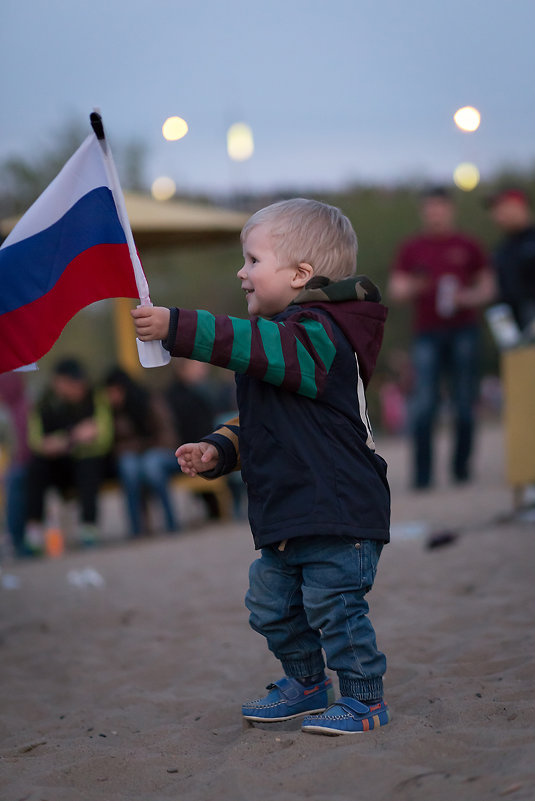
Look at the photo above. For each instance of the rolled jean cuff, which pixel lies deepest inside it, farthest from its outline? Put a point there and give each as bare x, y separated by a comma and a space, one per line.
308, 666
361, 689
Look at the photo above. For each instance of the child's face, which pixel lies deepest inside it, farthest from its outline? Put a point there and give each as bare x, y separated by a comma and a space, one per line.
269, 286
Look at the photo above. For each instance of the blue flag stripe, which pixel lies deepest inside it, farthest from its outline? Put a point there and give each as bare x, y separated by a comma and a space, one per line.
30, 268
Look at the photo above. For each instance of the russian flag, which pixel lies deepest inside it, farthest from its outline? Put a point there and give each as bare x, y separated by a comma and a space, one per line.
69, 250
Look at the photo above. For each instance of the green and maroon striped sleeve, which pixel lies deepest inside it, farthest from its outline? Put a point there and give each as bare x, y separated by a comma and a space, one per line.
296, 354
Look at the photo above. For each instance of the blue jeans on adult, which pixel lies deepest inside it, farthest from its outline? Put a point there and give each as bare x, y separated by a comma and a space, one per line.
16, 483
310, 598
158, 465
451, 354
149, 470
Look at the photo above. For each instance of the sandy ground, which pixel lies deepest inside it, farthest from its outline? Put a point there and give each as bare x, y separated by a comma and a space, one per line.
123, 669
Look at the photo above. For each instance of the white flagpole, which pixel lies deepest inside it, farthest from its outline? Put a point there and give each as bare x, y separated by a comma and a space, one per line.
151, 354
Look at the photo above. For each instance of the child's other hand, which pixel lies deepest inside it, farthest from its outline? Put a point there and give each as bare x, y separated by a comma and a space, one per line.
151, 322
197, 457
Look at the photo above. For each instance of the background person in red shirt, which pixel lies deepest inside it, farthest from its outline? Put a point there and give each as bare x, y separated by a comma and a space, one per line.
445, 276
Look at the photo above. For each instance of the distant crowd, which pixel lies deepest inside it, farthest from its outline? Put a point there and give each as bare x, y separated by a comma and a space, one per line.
78, 435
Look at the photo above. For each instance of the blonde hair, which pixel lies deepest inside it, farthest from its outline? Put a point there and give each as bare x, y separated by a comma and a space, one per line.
309, 231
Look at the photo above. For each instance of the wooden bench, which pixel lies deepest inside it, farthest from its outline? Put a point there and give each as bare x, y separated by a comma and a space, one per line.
200, 486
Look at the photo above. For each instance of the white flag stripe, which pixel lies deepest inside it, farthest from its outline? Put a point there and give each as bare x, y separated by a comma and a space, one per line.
83, 172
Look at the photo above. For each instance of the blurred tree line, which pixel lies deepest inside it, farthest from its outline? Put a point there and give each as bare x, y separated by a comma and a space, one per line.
205, 277
22, 179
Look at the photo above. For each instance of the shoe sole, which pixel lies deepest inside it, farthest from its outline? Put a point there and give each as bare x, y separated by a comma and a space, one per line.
330, 732
316, 729
256, 719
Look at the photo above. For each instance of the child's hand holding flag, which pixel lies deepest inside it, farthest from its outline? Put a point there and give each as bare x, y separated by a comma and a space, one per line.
151, 322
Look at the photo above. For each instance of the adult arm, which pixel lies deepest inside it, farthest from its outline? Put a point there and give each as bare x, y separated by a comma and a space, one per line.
405, 287
482, 291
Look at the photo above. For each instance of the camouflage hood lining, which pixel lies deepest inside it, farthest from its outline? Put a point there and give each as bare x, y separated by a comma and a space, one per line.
322, 289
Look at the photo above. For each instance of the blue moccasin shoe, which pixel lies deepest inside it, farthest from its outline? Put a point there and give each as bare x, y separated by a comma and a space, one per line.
347, 716
287, 699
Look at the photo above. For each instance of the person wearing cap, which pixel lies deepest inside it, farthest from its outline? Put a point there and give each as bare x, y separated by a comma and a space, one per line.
70, 431
514, 256
444, 275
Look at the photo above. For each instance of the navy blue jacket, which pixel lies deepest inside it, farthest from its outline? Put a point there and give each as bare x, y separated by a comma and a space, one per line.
303, 436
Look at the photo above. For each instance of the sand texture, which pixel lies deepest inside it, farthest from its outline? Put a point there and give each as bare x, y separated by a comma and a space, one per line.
124, 683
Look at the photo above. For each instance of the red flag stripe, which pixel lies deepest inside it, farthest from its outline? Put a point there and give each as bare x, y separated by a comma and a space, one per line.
103, 271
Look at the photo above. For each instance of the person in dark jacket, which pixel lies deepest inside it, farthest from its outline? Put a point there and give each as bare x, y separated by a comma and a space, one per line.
514, 256
319, 501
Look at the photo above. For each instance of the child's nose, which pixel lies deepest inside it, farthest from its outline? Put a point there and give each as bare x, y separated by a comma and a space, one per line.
241, 273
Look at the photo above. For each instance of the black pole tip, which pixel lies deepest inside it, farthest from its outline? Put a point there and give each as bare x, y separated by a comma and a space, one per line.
96, 124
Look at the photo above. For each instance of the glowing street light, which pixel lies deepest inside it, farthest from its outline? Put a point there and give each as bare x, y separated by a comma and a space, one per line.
174, 128
467, 119
240, 144
466, 176
163, 188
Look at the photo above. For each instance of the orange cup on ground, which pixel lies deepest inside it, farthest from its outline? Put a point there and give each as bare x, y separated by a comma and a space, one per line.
54, 544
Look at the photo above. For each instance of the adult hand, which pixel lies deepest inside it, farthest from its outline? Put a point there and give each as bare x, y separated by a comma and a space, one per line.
404, 287
55, 445
84, 432
482, 291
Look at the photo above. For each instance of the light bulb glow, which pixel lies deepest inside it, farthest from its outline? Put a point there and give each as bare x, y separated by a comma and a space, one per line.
174, 128
467, 119
466, 176
240, 144
163, 188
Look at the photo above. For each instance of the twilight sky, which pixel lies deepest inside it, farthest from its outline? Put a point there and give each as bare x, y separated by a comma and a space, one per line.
335, 91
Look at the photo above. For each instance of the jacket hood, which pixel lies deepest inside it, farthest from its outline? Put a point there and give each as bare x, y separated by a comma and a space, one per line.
354, 304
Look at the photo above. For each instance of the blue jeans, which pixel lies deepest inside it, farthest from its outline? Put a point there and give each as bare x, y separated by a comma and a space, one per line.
151, 470
453, 355
16, 485
311, 597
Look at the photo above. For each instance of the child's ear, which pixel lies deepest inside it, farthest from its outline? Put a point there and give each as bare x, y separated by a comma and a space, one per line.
302, 275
